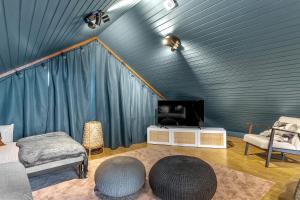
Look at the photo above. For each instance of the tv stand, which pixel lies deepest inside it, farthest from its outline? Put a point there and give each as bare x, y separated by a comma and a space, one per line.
187, 136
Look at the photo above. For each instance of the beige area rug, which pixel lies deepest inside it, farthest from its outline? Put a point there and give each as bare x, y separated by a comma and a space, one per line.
232, 184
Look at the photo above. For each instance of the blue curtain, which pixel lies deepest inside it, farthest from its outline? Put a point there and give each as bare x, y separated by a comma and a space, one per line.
126, 105
82, 85
68, 93
23, 101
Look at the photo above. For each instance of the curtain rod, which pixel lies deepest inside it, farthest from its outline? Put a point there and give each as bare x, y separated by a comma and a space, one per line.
82, 43
28, 65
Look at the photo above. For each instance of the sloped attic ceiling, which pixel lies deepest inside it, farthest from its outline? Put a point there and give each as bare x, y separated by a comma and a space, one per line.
241, 57
32, 29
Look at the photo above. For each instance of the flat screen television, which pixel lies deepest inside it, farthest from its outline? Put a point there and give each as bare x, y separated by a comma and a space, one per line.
180, 113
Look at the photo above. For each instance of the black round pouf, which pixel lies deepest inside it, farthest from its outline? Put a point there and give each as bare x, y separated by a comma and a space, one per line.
182, 177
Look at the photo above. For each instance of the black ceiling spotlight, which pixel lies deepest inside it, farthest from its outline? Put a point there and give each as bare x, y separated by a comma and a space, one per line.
93, 19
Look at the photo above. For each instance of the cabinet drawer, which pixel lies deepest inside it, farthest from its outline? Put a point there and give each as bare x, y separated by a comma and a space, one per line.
159, 136
184, 137
215, 139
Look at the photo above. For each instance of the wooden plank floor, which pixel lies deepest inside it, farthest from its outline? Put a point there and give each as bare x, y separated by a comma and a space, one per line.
285, 174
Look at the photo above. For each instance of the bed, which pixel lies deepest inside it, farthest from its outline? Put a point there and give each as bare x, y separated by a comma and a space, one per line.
35, 155
47, 152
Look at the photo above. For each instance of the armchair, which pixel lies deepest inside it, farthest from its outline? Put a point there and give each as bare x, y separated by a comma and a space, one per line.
269, 144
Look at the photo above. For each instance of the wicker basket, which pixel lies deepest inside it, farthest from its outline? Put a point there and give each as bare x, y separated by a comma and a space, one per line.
93, 135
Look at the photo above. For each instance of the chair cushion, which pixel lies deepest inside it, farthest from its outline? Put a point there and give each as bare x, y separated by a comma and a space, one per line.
263, 142
290, 120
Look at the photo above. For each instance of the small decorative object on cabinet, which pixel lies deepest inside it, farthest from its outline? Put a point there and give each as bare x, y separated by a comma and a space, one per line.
185, 136
93, 137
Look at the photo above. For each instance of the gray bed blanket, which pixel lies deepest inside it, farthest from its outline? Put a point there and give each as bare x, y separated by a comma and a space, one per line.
49, 147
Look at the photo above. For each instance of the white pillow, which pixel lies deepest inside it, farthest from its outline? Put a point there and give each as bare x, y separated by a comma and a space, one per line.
7, 133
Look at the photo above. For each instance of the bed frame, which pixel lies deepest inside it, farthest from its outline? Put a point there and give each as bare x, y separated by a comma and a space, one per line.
76, 162
9, 153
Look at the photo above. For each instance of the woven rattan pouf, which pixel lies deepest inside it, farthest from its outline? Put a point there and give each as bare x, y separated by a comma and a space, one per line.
182, 178
119, 177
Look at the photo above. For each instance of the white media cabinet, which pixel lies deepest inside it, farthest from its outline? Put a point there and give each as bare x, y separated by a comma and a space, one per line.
181, 136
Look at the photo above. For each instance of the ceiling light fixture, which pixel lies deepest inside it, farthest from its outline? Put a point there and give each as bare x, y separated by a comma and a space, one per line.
94, 19
170, 4
172, 41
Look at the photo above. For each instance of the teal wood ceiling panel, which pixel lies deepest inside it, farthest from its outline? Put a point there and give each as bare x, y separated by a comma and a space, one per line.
32, 29
242, 57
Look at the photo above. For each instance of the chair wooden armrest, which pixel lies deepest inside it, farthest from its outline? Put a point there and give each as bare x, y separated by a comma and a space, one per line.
251, 125
270, 147
250, 128
279, 129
